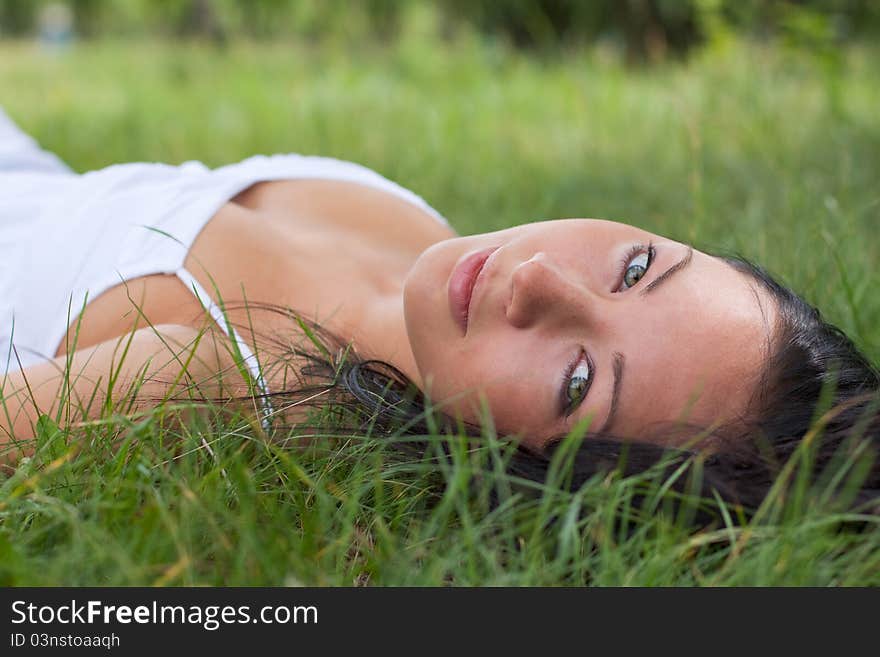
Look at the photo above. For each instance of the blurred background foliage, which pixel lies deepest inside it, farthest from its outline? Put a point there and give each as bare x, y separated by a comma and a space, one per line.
644, 31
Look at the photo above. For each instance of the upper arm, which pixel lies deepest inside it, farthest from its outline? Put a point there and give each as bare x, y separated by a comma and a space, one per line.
134, 371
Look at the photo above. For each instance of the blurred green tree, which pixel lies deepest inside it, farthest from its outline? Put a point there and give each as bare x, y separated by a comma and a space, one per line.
646, 30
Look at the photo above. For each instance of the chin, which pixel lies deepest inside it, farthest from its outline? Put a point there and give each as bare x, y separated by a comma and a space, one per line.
415, 317
425, 282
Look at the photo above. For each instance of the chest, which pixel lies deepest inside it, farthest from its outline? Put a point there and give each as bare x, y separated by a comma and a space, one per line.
322, 248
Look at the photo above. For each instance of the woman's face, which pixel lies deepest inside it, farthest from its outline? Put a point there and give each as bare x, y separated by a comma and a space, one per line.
558, 321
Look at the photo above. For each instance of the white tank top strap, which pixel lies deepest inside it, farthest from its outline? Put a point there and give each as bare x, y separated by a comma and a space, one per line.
247, 355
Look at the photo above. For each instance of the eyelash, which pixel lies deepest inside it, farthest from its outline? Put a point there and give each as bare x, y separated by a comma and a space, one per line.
567, 407
635, 250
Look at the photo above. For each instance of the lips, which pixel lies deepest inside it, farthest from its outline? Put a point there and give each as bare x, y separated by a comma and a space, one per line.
462, 282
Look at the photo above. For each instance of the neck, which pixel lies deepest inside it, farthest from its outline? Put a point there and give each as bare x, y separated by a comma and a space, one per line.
377, 330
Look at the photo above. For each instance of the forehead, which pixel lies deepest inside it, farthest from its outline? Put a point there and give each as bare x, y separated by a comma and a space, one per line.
702, 353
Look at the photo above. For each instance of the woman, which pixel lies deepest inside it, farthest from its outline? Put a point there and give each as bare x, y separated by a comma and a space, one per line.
648, 342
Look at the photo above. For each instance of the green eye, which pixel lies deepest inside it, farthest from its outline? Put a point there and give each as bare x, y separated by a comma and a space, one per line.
636, 268
634, 274
578, 384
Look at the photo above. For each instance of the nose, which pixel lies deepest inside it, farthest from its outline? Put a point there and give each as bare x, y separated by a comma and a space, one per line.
542, 292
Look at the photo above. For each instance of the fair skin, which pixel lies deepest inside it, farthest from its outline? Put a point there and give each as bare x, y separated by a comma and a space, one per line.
551, 293
688, 335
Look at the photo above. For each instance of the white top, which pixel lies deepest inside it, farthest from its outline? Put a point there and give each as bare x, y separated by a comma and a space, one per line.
65, 238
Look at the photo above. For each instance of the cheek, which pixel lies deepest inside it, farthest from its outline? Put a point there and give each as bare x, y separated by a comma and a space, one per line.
497, 378
455, 378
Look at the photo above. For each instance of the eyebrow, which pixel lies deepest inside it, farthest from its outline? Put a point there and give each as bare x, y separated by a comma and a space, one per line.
669, 273
617, 368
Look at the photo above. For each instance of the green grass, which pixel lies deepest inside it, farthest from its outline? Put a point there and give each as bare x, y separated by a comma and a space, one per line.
757, 150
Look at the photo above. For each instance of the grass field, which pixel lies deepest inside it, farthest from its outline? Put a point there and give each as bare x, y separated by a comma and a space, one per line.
766, 152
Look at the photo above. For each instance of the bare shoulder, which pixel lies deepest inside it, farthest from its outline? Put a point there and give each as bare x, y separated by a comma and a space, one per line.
148, 365
350, 205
